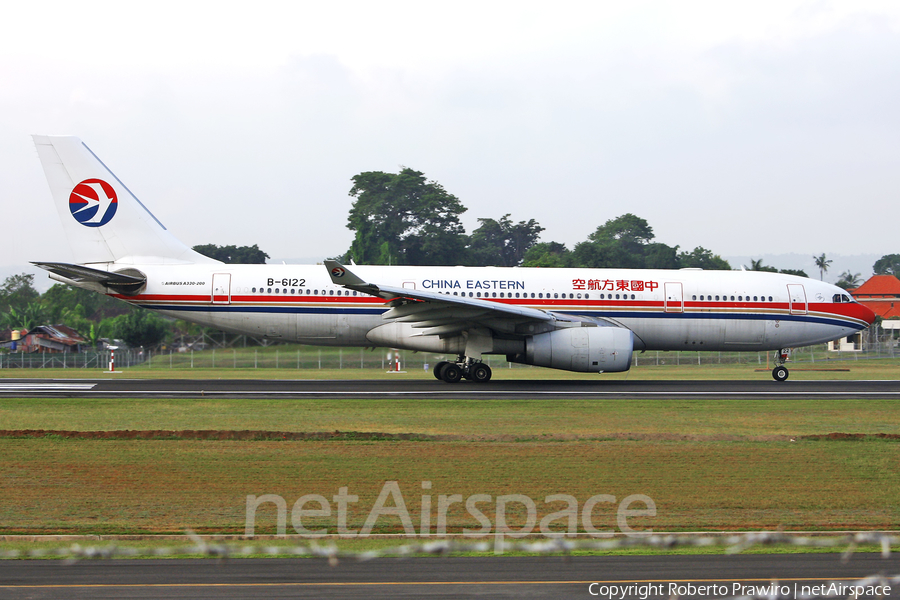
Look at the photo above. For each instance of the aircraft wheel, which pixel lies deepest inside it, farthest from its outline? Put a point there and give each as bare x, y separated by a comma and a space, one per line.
437, 369
480, 373
451, 372
780, 373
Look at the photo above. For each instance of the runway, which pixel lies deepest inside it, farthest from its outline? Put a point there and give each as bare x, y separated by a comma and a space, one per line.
465, 577
307, 388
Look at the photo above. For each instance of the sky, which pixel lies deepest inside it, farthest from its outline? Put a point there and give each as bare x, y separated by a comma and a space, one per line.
746, 128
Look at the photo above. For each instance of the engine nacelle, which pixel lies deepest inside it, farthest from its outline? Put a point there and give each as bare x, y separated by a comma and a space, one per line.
582, 349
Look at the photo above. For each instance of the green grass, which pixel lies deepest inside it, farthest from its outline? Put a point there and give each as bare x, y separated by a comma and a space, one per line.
115, 486
481, 419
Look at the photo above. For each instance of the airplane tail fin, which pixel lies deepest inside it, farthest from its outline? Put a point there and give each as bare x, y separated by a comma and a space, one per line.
103, 221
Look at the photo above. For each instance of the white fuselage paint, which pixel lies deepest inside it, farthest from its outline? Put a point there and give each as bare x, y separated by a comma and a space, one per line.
739, 310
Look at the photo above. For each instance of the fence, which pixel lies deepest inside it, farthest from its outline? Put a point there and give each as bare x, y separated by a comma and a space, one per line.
307, 357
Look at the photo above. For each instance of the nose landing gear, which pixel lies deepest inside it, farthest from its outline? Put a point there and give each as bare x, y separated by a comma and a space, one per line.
780, 372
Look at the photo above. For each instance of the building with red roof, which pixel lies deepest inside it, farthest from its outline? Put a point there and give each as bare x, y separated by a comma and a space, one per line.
881, 293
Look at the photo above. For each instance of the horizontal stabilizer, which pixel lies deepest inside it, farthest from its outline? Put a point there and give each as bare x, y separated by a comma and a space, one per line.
127, 281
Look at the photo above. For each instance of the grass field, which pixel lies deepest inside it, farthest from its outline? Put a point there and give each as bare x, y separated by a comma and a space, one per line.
711, 464
114, 486
499, 419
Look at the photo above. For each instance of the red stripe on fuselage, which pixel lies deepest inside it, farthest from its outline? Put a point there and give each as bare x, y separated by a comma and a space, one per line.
849, 310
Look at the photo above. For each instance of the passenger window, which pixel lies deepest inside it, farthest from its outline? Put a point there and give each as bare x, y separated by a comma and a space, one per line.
586, 296
494, 294
717, 298
754, 298
269, 291
770, 298
632, 296
254, 290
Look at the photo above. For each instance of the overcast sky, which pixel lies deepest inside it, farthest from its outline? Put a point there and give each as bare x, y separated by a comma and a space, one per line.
746, 128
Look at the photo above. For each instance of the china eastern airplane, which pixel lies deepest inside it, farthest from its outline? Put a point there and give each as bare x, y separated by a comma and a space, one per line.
583, 320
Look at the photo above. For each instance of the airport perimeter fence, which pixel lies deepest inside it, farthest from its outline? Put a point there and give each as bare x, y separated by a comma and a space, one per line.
307, 357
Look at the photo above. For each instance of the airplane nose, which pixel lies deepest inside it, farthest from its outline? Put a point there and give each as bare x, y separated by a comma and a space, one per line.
868, 314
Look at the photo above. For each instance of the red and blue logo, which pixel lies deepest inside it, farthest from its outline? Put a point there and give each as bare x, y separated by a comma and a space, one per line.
93, 202
338, 272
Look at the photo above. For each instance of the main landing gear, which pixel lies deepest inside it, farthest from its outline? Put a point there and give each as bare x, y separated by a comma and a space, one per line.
780, 372
451, 372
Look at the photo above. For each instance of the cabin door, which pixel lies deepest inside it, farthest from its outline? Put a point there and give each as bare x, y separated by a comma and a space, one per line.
797, 296
674, 297
221, 288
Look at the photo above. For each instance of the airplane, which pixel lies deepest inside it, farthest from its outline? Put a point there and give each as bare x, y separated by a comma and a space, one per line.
574, 319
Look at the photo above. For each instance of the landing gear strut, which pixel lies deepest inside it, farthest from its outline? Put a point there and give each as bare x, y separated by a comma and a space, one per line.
451, 372
780, 372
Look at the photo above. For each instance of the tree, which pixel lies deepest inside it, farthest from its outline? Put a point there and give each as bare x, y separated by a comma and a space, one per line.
141, 328
757, 265
61, 302
889, 264
236, 255
28, 317
849, 281
404, 219
18, 291
624, 242
502, 243
797, 272
701, 258
549, 255
822, 264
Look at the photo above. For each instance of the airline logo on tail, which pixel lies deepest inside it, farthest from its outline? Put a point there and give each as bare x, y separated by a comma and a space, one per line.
93, 202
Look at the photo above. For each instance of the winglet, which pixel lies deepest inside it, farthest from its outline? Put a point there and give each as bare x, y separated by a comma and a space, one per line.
341, 275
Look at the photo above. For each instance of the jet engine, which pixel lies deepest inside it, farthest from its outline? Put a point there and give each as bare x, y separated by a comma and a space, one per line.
582, 349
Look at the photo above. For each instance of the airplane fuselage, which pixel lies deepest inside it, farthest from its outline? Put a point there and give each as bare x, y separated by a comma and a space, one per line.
666, 309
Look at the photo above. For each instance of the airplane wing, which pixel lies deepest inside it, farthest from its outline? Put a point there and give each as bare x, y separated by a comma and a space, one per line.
442, 314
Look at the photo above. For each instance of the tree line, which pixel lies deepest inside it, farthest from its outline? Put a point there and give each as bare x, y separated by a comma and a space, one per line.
404, 219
